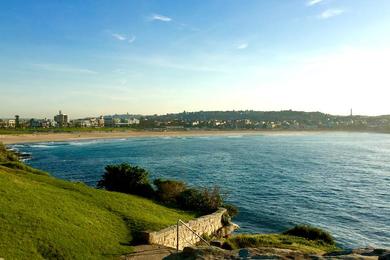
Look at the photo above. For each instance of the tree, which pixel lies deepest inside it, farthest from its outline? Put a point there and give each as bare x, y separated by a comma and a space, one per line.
203, 200
168, 191
126, 179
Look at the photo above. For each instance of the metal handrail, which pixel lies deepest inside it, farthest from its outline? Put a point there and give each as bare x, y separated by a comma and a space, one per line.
190, 229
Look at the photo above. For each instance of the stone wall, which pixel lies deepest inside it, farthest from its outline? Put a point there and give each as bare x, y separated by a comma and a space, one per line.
208, 224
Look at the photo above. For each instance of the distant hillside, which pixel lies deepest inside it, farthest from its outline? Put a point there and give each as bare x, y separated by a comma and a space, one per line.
257, 116
42, 217
241, 115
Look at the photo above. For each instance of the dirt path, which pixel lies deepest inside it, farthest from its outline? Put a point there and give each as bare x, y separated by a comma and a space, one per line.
149, 252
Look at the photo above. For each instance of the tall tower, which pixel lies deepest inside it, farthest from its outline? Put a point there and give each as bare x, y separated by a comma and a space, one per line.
351, 112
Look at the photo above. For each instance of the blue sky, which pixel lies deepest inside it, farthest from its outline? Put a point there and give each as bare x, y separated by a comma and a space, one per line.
104, 57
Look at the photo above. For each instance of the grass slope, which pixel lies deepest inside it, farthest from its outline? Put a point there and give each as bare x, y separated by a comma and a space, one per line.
42, 217
280, 241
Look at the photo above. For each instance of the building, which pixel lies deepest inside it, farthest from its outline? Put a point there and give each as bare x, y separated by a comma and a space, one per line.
41, 123
34, 123
8, 123
82, 123
100, 121
61, 119
110, 121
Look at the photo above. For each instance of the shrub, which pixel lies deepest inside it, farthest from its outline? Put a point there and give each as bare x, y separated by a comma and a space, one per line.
127, 179
168, 191
202, 200
232, 210
7, 155
311, 233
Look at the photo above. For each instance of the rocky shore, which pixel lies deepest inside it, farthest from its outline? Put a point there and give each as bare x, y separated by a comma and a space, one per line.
206, 253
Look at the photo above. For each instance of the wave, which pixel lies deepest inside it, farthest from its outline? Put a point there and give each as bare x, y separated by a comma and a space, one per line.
235, 136
42, 146
95, 141
81, 143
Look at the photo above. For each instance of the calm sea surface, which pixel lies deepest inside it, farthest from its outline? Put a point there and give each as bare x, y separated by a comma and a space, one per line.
338, 181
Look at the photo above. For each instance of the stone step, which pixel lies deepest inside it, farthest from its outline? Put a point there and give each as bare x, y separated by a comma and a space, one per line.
149, 252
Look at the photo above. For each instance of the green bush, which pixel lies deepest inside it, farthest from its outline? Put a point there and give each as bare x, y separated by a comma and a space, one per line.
6, 155
126, 179
232, 210
311, 233
203, 200
134, 180
168, 191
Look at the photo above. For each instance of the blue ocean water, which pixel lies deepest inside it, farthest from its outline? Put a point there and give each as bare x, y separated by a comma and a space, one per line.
337, 181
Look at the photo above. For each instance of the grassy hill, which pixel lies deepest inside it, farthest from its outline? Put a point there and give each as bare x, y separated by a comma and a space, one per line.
42, 217
279, 241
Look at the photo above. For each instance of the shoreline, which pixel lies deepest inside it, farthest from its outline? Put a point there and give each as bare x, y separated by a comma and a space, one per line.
81, 136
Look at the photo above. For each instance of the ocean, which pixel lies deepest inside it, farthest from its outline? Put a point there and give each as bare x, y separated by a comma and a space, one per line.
336, 181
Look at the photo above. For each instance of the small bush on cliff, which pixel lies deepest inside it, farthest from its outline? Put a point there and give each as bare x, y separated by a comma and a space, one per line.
203, 200
232, 210
311, 233
168, 191
6, 155
127, 179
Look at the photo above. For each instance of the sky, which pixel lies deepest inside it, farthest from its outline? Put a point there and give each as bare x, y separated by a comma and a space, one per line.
100, 57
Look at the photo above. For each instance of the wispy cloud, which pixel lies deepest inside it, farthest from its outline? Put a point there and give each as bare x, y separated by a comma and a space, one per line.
119, 37
242, 46
63, 68
330, 13
161, 18
313, 2
132, 39
122, 37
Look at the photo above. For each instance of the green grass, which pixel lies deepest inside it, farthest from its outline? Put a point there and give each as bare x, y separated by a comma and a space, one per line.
42, 217
311, 233
279, 241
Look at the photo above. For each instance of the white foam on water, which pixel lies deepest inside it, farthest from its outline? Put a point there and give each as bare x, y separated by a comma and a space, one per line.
42, 146
235, 136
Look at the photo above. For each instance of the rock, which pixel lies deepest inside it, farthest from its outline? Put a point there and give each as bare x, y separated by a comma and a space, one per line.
227, 230
359, 253
217, 243
194, 253
384, 257
206, 253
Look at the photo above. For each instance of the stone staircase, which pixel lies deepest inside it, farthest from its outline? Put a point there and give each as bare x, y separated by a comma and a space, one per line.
148, 252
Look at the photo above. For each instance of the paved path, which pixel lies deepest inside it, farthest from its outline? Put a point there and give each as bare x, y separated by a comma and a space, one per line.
149, 252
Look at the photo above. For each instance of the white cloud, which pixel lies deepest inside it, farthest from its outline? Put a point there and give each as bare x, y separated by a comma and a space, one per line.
242, 46
122, 37
313, 2
132, 39
159, 17
330, 13
119, 37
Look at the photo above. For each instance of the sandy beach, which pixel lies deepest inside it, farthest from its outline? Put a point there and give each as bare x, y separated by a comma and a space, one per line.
56, 137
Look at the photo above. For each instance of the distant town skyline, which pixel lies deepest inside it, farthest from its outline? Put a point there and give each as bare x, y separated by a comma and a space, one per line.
68, 117
91, 58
